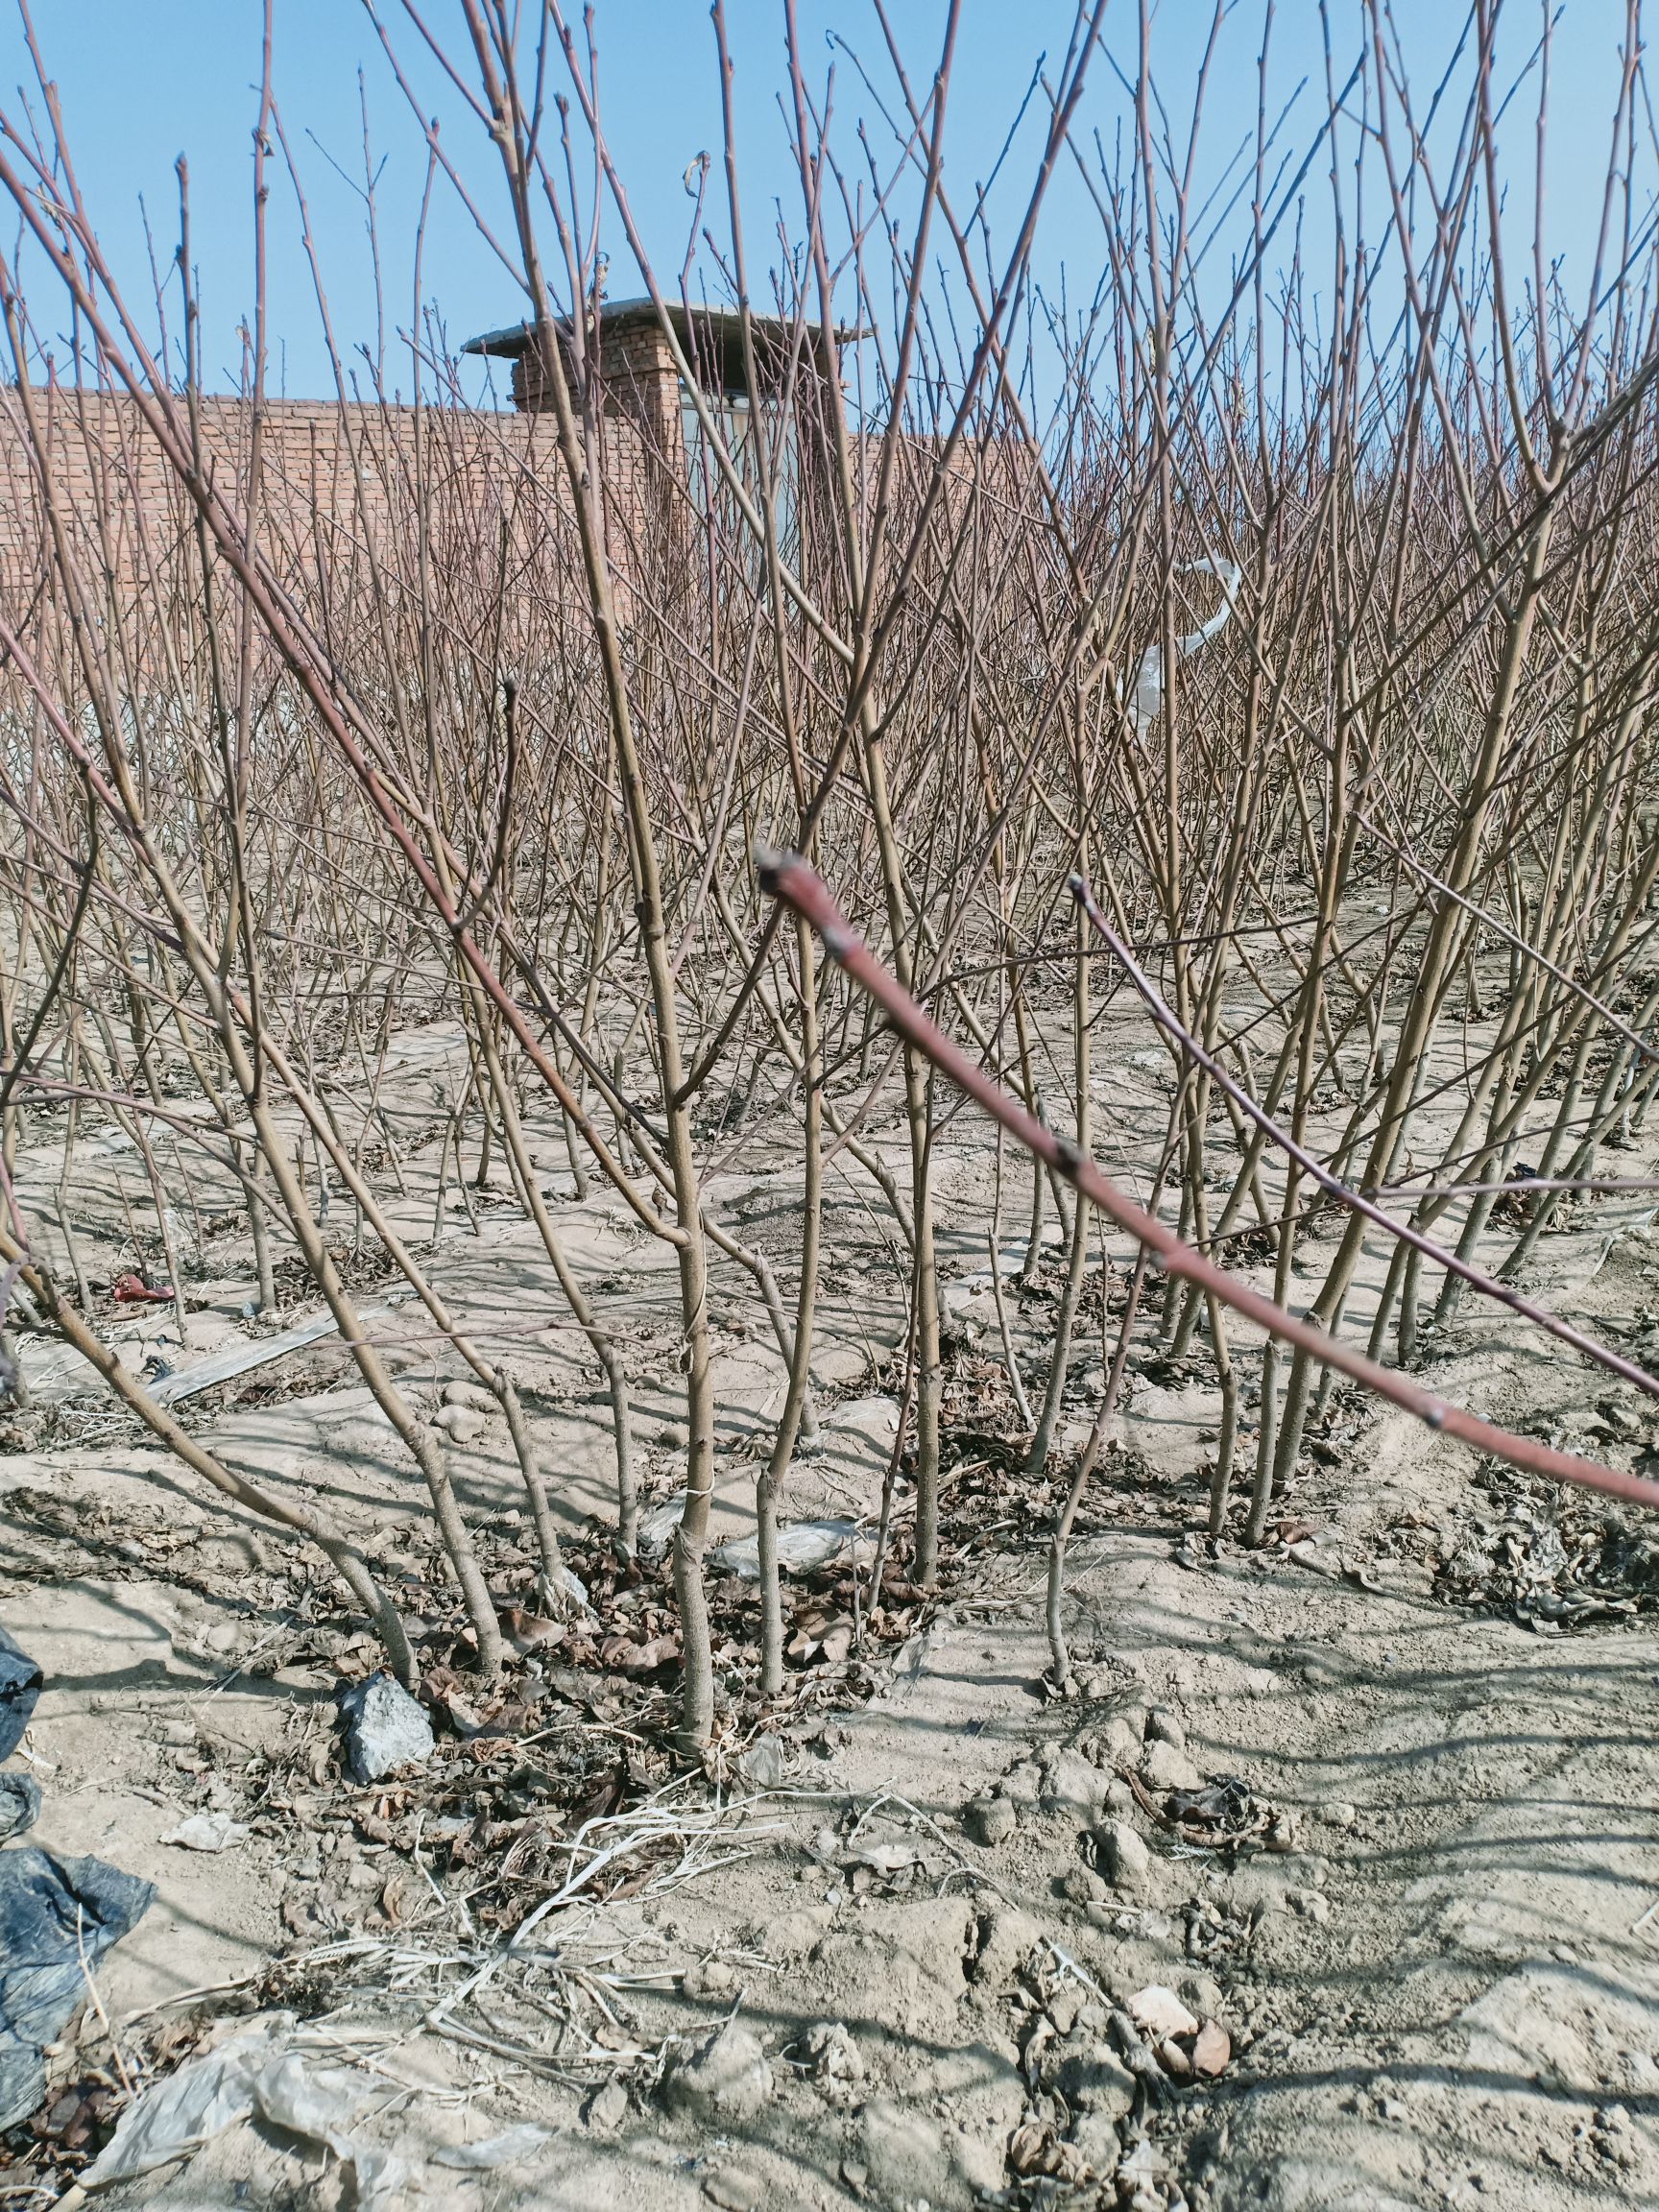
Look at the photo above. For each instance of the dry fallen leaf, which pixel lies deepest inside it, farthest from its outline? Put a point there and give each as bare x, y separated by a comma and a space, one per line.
646, 1658
401, 1895
531, 1632
1035, 2150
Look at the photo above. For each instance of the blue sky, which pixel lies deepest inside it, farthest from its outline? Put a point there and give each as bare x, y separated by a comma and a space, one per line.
143, 81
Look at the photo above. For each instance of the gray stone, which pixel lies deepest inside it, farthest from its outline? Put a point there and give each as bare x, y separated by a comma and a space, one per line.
1023, 1785
1164, 1768
458, 1423
989, 1820
607, 2108
1007, 1938
1075, 1786
1124, 1859
385, 1728
728, 2077
1119, 1739
735, 2189
1094, 2139
1096, 2080
1203, 1992
837, 2063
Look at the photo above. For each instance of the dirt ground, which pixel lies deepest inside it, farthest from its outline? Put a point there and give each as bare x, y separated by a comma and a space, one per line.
897, 1966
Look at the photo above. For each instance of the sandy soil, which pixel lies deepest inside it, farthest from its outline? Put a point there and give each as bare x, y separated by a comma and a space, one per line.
1436, 1952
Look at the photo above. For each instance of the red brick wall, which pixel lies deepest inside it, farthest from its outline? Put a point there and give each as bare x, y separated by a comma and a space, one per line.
337, 484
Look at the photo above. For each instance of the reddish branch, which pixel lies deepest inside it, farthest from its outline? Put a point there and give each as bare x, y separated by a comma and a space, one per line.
785, 876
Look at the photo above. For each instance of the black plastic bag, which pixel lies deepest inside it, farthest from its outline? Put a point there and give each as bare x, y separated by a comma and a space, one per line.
19, 1804
54, 1913
21, 1682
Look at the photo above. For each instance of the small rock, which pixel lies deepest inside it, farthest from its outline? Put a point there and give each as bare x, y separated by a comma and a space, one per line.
1167, 1767
1094, 2080
1082, 1885
462, 1392
1124, 1858
1007, 1938
19, 1804
793, 1934
989, 1820
458, 1423
1212, 2050
1203, 1992
1340, 1816
1073, 1786
708, 1978
734, 2189
607, 2108
1094, 2139
837, 2062
727, 2075
385, 1728
1022, 1786
1119, 1739
1163, 1726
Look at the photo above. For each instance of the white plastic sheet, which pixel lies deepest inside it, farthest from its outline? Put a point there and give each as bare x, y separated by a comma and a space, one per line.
503, 2150
1146, 702
254, 2075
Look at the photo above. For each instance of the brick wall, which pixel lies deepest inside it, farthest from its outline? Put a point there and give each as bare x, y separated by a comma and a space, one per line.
339, 485
343, 488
